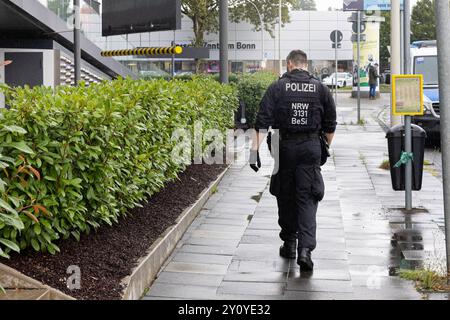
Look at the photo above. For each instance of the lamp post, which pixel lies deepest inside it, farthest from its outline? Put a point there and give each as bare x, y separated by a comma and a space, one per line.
223, 41
395, 49
442, 27
76, 41
263, 58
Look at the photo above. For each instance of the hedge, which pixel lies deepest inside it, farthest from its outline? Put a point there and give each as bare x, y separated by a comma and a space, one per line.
251, 89
74, 158
232, 78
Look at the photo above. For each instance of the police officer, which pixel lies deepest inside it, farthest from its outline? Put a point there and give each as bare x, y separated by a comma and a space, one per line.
302, 109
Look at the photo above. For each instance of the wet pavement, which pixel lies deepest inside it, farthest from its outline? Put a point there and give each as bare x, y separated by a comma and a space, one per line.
364, 236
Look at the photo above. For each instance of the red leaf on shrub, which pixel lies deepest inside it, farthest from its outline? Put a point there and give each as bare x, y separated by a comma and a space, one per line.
35, 172
31, 216
43, 209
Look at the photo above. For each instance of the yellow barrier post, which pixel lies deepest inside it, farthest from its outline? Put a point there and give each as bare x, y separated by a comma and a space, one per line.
143, 52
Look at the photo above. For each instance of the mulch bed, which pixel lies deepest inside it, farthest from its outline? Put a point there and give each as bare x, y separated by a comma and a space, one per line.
110, 254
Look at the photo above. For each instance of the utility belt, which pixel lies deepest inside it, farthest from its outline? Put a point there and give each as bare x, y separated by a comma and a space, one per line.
298, 135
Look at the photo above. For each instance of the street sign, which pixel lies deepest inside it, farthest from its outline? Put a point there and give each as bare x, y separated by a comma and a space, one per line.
355, 27
407, 94
353, 5
339, 46
336, 35
362, 38
368, 5
379, 5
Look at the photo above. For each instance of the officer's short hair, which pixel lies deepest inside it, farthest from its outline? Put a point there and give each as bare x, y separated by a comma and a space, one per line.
298, 57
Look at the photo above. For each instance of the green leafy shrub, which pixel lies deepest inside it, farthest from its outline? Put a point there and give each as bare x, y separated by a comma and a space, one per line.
251, 89
233, 78
75, 158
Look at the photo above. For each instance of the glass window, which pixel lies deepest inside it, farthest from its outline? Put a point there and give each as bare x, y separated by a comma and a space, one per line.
427, 66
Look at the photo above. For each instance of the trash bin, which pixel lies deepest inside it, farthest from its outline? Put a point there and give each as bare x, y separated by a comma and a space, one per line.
396, 145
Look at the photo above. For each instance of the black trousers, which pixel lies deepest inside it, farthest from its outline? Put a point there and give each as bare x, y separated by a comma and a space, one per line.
300, 189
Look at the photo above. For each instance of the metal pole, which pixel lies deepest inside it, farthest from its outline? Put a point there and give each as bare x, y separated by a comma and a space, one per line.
407, 36
407, 70
76, 41
443, 25
173, 56
402, 42
262, 43
280, 61
395, 49
336, 56
263, 58
408, 168
224, 41
358, 59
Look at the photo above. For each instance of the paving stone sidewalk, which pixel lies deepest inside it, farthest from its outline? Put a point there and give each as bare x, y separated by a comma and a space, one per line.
231, 249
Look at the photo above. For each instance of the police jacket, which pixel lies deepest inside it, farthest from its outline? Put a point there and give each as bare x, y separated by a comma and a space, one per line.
297, 103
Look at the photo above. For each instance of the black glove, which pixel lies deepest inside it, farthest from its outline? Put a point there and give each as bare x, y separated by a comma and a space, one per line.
255, 160
269, 141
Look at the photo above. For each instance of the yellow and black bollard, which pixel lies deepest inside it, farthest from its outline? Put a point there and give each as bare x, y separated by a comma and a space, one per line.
143, 51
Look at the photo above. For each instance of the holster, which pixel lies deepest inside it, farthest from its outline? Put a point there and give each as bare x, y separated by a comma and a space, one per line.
275, 185
325, 148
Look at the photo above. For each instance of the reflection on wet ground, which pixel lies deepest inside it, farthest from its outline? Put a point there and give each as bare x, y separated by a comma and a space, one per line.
416, 243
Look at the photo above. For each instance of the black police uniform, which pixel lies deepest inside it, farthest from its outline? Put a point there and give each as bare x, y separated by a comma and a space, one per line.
301, 107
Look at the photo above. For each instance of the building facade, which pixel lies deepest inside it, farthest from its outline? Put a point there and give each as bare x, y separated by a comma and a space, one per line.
307, 30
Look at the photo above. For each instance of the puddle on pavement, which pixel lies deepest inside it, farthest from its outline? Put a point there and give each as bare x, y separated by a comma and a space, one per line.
437, 296
407, 242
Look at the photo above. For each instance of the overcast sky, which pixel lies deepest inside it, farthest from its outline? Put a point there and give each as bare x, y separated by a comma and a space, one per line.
325, 4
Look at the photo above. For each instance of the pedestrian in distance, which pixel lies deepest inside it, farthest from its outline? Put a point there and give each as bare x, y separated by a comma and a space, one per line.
302, 110
373, 80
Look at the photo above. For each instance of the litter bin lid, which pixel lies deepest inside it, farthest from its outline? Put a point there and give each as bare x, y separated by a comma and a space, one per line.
398, 131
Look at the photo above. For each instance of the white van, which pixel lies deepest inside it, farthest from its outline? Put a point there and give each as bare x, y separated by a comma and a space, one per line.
424, 61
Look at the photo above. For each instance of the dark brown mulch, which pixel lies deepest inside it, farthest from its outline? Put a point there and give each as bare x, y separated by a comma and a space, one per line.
110, 254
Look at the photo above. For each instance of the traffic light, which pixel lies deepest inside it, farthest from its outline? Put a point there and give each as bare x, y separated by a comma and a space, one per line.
354, 20
355, 26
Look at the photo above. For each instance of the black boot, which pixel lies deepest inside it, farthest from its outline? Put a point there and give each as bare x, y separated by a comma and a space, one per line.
304, 260
288, 250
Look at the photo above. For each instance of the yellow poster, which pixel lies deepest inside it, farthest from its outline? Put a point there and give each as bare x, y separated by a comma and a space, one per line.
407, 95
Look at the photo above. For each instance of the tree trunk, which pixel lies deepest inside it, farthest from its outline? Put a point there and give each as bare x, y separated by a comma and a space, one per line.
198, 42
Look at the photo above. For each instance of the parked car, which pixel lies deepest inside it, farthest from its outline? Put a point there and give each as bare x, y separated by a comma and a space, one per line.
323, 76
424, 61
344, 79
386, 77
150, 74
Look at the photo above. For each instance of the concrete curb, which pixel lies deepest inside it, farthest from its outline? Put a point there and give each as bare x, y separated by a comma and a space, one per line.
148, 267
381, 123
21, 287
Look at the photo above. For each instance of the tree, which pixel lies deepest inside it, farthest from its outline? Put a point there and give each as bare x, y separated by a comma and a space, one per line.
205, 15
385, 39
60, 7
423, 21
307, 5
